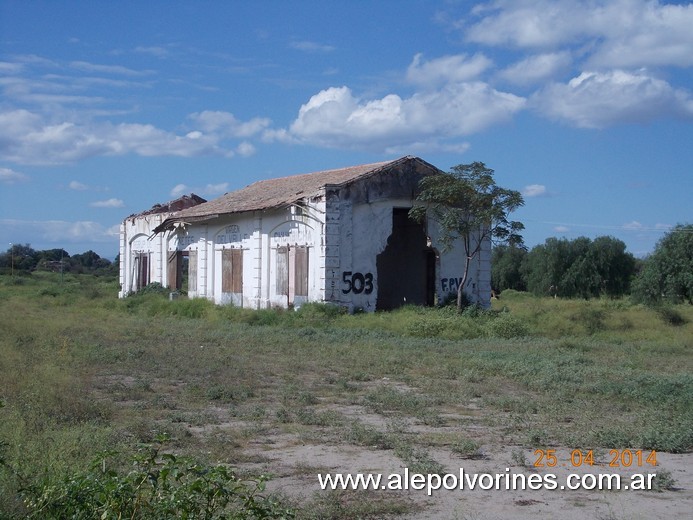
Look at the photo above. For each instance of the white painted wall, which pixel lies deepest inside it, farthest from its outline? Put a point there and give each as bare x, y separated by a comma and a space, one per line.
343, 237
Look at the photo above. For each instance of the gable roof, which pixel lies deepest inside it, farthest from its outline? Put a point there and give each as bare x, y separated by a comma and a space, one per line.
281, 192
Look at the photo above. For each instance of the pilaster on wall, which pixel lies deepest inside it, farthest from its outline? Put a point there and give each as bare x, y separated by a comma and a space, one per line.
123, 260
331, 250
257, 261
202, 265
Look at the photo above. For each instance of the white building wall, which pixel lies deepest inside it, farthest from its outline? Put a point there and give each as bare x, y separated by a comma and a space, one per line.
343, 239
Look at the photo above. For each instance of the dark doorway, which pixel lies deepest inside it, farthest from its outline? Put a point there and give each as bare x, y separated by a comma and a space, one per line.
406, 268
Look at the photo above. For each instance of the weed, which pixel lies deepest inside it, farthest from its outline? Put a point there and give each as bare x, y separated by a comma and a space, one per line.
663, 481
518, 458
468, 449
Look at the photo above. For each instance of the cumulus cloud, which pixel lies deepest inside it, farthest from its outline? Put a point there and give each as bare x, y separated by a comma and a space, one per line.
109, 203
28, 138
615, 33
336, 118
595, 100
9, 176
534, 190
446, 69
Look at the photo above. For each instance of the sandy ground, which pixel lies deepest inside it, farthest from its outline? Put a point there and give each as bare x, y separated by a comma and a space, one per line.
295, 465
290, 464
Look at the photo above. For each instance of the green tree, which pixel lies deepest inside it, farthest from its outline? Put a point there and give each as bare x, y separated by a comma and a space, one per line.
470, 207
506, 264
579, 268
668, 273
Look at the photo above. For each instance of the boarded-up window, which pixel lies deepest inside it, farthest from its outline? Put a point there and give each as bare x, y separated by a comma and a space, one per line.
192, 271
301, 271
175, 270
232, 271
142, 270
282, 270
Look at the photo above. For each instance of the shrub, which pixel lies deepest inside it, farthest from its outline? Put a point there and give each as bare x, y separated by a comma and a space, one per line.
671, 316
161, 486
507, 326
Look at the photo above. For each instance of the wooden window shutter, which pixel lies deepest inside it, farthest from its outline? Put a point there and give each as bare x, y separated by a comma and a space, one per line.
232, 271
282, 286
301, 271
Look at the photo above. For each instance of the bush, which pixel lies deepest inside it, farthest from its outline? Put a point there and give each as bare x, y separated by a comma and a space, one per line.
507, 327
161, 486
671, 316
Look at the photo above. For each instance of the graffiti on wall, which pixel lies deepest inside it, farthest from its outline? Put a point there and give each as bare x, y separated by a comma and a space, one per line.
450, 284
357, 283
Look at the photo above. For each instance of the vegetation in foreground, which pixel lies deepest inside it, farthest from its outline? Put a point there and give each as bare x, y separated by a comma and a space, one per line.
82, 372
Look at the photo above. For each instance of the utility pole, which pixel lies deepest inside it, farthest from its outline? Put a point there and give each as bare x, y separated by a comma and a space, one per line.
12, 259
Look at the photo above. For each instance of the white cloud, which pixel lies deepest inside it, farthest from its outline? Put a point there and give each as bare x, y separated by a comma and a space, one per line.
534, 190
308, 46
595, 100
226, 124
77, 186
561, 229
632, 226
245, 149
107, 69
8, 176
536, 68
209, 190
613, 33
159, 52
335, 118
446, 69
26, 138
109, 203
57, 231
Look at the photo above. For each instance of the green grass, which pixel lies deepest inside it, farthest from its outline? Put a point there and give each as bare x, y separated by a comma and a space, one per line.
81, 371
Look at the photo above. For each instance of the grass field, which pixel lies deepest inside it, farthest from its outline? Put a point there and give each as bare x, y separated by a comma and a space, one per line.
81, 372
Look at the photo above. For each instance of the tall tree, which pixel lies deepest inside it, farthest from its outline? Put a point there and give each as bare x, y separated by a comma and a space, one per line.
668, 272
579, 268
506, 262
470, 207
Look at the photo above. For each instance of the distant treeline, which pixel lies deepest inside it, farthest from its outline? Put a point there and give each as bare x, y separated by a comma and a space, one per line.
20, 259
585, 268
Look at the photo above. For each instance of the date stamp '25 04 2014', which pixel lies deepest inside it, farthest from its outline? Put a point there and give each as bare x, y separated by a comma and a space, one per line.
617, 458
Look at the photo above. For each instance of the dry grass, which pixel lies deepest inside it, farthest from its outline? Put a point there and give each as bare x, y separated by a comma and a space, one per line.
81, 372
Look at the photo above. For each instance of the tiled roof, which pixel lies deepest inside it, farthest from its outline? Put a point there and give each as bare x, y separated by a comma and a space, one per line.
274, 193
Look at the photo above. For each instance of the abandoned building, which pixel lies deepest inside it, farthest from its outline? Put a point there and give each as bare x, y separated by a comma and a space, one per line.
341, 236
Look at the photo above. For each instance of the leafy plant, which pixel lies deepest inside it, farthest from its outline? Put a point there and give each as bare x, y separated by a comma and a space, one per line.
161, 486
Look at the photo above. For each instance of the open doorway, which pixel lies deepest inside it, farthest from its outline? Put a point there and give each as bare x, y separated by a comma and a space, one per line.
406, 268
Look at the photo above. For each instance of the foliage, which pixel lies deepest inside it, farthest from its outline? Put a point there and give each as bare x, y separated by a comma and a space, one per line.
668, 272
20, 259
471, 208
160, 486
506, 272
579, 268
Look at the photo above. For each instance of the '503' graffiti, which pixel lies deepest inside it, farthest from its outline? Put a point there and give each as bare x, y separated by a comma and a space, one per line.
357, 283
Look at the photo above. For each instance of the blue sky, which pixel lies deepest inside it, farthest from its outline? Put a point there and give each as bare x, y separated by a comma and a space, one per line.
107, 108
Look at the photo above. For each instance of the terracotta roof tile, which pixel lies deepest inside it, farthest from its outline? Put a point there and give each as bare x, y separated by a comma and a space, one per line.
274, 193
